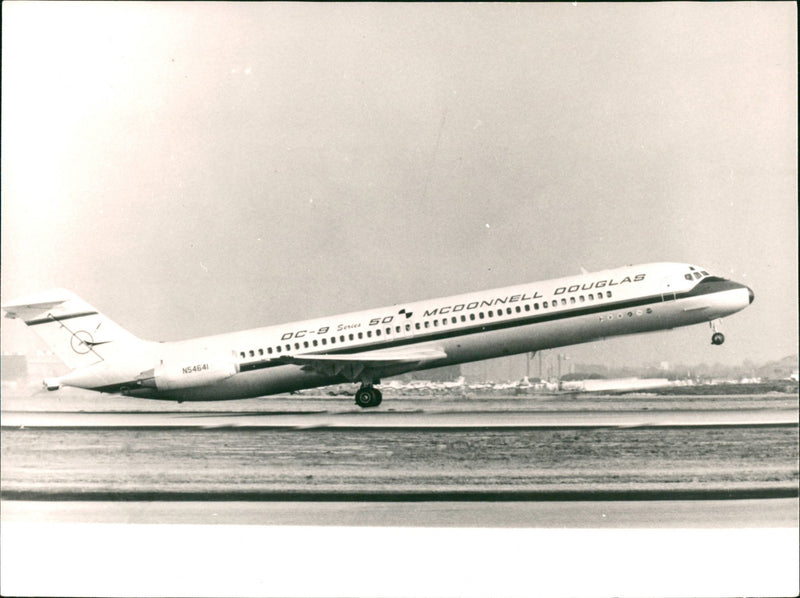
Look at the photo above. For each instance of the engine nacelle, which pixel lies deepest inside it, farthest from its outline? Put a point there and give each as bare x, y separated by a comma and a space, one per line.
178, 377
51, 384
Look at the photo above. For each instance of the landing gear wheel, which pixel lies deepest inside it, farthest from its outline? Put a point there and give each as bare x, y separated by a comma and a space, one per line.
717, 338
368, 397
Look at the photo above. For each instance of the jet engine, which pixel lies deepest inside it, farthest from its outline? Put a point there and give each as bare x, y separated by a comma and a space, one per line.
190, 375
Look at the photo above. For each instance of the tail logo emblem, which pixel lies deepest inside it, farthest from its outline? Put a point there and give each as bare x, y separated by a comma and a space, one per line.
82, 342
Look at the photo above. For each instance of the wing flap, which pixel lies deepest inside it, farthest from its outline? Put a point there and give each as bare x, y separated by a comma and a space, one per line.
372, 358
368, 365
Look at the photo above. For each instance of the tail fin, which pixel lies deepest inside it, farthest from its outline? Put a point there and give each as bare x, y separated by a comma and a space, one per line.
76, 332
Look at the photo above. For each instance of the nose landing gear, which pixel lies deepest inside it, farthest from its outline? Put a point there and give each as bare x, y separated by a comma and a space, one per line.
717, 338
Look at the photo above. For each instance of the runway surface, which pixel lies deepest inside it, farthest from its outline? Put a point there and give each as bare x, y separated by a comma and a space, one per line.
388, 420
660, 514
309, 495
506, 461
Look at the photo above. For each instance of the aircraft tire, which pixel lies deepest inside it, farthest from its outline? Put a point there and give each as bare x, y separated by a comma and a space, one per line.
368, 397
717, 338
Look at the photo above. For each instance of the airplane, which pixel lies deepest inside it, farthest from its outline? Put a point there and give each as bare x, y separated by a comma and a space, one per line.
366, 346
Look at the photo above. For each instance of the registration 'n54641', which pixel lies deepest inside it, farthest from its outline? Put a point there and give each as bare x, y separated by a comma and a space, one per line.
195, 368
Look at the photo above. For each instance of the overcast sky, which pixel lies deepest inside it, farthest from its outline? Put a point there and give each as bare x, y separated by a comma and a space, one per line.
192, 169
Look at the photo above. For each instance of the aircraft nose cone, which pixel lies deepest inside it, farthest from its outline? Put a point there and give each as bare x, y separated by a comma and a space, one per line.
752, 295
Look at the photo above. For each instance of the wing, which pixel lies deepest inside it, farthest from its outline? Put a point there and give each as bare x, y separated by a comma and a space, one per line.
368, 364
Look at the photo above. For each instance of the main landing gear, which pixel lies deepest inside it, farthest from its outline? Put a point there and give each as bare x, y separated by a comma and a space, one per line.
717, 338
368, 396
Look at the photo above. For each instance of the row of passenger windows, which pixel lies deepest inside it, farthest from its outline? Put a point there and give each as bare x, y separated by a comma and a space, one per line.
278, 349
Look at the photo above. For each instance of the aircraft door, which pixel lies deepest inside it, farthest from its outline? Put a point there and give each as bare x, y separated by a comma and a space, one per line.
667, 290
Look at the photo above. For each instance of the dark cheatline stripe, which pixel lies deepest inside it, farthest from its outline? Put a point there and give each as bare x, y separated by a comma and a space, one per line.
59, 318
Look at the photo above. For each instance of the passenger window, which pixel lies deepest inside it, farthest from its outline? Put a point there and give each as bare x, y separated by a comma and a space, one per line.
333, 340
278, 348
305, 344
582, 298
480, 315
252, 353
242, 354
417, 326
296, 346
471, 316
591, 296
490, 313
408, 327
388, 330
463, 318
544, 303
454, 320
600, 295
508, 310
316, 344
427, 324
288, 347
377, 332
436, 322
518, 309
325, 341
396, 329
360, 335
351, 336
269, 350
608, 294
528, 307
572, 299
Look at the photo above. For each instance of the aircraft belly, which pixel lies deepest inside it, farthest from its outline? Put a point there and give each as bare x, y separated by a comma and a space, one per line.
257, 383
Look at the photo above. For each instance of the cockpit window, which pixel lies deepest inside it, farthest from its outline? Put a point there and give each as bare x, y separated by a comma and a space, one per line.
695, 275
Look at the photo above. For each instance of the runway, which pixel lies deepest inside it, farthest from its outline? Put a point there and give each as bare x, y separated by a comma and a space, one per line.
471, 455
293, 493
398, 420
660, 514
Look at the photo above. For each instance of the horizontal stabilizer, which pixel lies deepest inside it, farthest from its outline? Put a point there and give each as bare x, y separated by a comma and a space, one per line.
36, 304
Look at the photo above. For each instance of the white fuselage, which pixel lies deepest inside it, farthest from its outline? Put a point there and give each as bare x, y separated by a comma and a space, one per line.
367, 345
